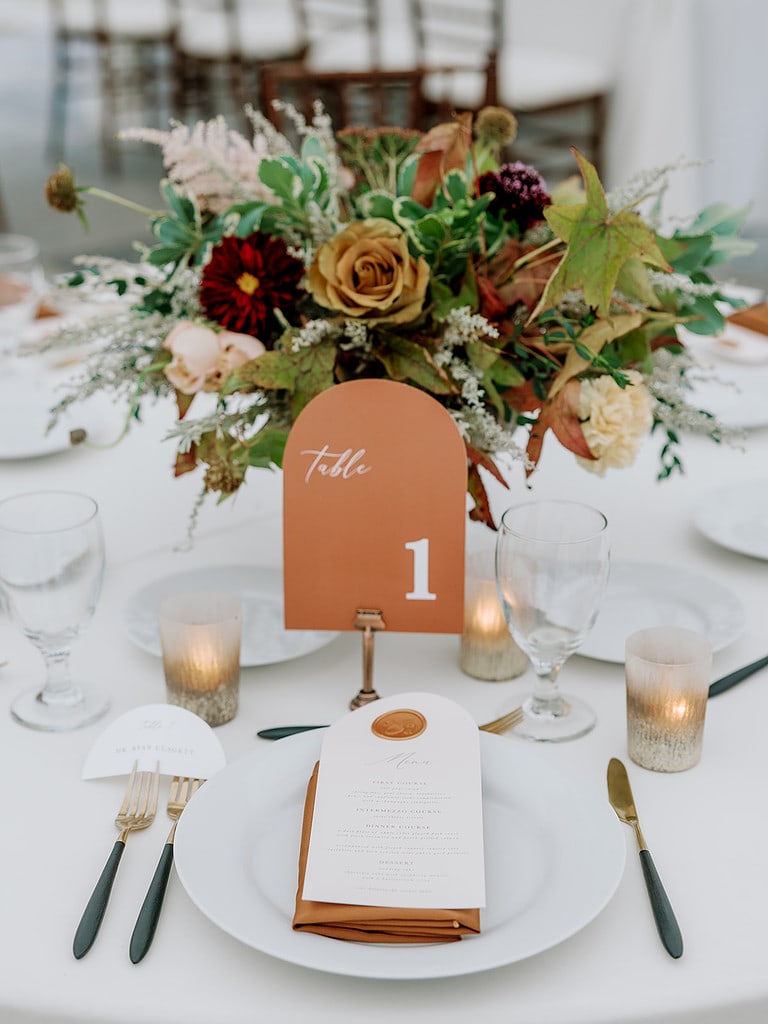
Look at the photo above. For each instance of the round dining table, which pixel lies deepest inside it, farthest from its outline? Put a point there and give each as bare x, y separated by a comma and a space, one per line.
705, 826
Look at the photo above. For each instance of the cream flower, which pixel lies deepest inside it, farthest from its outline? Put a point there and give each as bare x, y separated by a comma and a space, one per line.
614, 420
202, 357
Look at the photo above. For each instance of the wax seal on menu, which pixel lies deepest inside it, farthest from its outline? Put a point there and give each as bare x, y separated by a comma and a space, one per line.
402, 724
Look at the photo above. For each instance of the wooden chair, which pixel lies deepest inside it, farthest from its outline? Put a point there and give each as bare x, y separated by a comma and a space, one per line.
352, 98
125, 49
220, 44
559, 98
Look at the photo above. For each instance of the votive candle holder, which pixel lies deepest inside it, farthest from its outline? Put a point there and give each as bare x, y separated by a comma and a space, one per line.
488, 651
667, 672
200, 635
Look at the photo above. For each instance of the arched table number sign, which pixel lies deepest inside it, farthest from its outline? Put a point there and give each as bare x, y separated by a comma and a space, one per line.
374, 487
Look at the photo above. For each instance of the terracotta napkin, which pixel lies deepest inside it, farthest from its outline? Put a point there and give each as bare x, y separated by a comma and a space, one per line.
373, 924
754, 319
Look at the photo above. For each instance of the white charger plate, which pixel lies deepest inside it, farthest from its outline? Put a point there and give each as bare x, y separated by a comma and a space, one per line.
26, 399
554, 857
642, 594
736, 517
265, 640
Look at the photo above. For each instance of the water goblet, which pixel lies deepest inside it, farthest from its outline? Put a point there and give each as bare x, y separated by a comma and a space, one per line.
21, 285
552, 562
51, 570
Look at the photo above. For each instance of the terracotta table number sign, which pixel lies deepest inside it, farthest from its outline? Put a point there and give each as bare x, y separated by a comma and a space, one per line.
374, 484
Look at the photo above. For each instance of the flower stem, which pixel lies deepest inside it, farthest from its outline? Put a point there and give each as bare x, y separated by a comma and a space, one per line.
112, 197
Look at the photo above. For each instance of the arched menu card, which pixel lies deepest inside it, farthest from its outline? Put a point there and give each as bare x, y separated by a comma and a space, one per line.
374, 485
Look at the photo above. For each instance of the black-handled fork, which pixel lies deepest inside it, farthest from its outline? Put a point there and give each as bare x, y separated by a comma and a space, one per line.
136, 811
181, 792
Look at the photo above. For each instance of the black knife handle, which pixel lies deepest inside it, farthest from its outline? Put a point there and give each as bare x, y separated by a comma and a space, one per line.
666, 922
93, 914
279, 732
721, 685
146, 922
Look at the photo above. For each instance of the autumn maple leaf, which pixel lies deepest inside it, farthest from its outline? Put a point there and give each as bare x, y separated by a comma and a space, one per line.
600, 245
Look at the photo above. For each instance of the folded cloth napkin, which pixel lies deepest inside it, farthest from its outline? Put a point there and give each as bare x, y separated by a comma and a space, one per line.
373, 924
754, 319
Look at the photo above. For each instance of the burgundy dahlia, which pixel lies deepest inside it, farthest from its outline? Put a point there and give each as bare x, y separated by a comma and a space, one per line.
246, 279
520, 193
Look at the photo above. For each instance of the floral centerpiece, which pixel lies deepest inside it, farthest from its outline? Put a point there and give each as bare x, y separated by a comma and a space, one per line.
281, 270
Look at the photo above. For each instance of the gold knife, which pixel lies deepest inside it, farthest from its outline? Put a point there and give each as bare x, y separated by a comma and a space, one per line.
622, 801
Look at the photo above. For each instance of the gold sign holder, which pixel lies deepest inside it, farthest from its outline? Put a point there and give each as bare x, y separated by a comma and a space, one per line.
368, 620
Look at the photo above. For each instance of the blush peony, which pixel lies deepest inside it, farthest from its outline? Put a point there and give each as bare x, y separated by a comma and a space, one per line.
202, 357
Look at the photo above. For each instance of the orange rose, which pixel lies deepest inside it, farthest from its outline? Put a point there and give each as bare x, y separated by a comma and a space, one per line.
367, 271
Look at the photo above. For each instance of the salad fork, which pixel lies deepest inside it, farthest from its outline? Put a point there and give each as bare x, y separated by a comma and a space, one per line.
181, 792
136, 811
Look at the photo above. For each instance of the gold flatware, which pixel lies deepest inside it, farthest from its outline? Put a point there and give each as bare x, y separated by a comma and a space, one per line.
506, 722
622, 801
136, 811
497, 726
181, 792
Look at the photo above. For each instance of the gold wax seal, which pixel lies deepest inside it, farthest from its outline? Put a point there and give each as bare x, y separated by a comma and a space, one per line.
403, 724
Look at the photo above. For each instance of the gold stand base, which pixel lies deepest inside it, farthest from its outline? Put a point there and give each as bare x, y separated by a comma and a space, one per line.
367, 620
364, 697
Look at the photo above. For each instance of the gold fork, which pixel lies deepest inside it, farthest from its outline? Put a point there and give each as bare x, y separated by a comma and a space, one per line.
500, 725
181, 792
136, 811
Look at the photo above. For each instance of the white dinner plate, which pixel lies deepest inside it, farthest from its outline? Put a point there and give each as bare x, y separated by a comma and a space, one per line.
265, 640
26, 399
554, 858
736, 363
736, 517
737, 398
641, 594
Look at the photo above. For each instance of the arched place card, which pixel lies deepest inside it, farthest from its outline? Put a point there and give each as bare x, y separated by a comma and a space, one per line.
374, 484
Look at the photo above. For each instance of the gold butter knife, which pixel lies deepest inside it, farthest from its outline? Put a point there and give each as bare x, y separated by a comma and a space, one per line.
622, 801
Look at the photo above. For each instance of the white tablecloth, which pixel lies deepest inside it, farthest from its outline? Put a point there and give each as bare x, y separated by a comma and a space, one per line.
705, 827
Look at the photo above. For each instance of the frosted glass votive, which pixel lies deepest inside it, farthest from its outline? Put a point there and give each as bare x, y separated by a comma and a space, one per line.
487, 650
200, 635
667, 672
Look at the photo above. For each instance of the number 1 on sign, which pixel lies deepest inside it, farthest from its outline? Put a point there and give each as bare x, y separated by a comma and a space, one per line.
421, 591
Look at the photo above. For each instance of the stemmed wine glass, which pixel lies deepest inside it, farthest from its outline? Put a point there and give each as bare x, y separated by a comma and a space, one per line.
21, 285
51, 570
552, 562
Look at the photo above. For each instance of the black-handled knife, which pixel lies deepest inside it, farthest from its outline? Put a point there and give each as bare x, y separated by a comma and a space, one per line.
721, 685
622, 801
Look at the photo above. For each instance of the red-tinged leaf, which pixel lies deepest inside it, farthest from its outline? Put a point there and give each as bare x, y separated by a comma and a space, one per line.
528, 283
185, 462
523, 398
478, 458
183, 403
492, 306
481, 513
443, 148
561, 416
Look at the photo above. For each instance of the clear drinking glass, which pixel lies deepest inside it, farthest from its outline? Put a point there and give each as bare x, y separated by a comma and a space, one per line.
21, 285
51, 570
552, 562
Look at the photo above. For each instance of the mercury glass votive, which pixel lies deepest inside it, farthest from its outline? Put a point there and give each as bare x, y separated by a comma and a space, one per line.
667, 672
487, 650
200, 634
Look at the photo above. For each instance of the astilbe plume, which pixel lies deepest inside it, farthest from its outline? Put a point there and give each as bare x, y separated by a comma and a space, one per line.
210, 160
